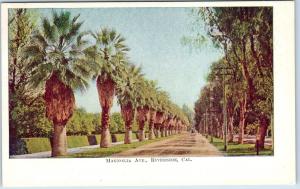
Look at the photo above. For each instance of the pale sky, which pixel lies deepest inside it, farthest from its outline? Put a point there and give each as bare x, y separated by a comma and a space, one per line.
154, 37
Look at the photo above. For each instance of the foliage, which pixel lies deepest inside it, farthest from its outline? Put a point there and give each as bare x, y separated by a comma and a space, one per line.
127, 85
188, 112
234, 149
117, 124
30, 121
82, 123
41, 144
34, 145
77, 141
21, 25
107, 54
58, 48
245, 36
56, 53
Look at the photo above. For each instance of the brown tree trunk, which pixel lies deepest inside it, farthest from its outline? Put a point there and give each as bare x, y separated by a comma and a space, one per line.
127, 112
128, 135
263, 127
166, 131
142, 114
243, 105
60, 103
106, 91
151, 133
151, 124
230, 129
162, 129
59, 141
157, 130
141, 130
105, 134
221, 130
158, 123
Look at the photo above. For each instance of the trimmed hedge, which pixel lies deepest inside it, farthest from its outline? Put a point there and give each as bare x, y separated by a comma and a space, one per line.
34, 145
77, 141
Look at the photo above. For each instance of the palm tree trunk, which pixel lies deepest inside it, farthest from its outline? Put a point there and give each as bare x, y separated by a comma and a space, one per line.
167, 132
127, 113
105, 134
60, 104
128, 135
59, 141
151, 124
141, 130
156, 130
151, 133
141, 116
106, 91
162, 129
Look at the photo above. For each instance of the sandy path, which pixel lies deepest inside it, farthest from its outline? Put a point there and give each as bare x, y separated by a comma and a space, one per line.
184, 145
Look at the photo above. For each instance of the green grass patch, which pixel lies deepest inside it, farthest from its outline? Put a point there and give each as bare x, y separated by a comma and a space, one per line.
104, 152
235, 149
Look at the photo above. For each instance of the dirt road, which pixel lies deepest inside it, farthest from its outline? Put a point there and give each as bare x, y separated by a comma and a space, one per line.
188, 144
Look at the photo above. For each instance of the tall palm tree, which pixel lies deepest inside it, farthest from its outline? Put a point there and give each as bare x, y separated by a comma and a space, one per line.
108, 53
127, 94
153, 104
59, 67
163, 100
143, 107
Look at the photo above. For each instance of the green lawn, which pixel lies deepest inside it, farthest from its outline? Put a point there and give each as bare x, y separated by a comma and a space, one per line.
104, 152
235, 149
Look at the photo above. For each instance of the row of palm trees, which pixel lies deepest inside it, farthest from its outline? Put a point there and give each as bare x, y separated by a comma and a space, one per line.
63, 60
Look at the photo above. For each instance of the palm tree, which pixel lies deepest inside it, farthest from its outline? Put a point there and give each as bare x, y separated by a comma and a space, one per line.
163, 100
108, 53
126, 93
143, 106
59, 67
153, 105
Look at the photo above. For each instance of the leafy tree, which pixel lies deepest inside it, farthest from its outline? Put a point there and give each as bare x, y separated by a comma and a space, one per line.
143, 100
117, 124
188, 112
245, 36
82, 123
20, 27
30, 120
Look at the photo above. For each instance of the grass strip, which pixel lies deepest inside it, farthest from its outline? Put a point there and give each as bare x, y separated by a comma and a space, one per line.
236, 149
104, 152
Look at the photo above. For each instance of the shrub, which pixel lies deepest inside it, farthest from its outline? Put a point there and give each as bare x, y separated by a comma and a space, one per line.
77, 141
33, 145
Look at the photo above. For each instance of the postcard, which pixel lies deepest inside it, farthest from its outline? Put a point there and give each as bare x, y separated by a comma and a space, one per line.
148, 93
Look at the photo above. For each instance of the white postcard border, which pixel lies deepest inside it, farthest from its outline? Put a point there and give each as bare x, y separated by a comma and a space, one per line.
277, 169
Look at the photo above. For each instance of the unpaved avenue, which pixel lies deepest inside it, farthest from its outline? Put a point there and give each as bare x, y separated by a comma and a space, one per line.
186, 144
